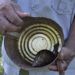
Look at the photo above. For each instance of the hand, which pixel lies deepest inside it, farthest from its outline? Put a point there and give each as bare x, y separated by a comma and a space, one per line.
10, 18
66, 57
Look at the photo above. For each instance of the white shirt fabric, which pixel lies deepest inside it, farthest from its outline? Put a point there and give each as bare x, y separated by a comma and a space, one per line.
61, 11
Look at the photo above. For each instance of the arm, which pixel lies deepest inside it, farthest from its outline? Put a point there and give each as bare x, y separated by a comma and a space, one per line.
71, 39
10, 16
68, 51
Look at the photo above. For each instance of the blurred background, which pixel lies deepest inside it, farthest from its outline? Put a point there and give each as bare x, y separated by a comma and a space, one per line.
1, 65
22, 72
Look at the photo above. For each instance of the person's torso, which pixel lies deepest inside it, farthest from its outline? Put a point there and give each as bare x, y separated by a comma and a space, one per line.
61, 11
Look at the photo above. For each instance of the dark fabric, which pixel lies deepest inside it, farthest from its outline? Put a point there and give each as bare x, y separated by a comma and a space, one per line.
23, 72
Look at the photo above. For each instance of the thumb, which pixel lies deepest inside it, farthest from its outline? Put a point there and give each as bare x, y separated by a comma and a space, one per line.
59, 67
22, 14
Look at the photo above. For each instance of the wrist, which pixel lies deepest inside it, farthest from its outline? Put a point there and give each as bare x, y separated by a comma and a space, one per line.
71, 51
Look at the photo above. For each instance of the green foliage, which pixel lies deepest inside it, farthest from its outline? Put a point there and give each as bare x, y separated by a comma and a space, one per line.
1, 67
22, 72
0, 44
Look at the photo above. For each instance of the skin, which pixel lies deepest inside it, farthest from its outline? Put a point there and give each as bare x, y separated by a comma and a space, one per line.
11, 18
11, 21
68, 51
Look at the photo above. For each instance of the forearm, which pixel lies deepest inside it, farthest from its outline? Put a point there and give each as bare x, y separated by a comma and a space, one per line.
71, 39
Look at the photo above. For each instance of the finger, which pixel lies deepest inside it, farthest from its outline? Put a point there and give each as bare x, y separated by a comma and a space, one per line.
22, 14
15, 6
6, 26
12, 17
12, 28
53, 68
17, 9
62, 65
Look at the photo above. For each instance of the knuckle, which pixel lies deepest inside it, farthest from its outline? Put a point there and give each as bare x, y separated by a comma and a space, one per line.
20, 22
6, 8
14, 20
17, 21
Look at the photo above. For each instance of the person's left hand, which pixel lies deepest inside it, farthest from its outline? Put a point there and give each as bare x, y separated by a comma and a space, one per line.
67, 56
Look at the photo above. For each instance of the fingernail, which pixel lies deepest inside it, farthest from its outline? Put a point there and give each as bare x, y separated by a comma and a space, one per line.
23, 14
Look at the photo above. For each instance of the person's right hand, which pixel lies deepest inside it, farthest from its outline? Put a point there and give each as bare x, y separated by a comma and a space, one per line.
66, 56
10, 18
